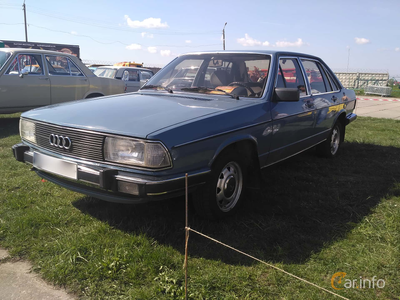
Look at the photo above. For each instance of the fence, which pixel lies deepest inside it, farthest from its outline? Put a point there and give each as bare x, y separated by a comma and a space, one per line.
356, 80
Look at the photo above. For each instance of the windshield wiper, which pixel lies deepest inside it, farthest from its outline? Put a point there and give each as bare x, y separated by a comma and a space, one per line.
157, 87
203, 88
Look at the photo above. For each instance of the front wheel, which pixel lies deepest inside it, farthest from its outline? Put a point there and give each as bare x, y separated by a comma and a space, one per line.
223, 193
331, 146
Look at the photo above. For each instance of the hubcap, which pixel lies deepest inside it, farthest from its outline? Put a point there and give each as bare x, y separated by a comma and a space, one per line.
229, 186
335, 140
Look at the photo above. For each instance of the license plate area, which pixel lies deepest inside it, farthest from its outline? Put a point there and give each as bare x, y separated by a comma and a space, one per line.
55, 165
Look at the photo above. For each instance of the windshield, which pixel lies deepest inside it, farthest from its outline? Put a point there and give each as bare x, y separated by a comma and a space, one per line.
105, 72
221, 73
3, 58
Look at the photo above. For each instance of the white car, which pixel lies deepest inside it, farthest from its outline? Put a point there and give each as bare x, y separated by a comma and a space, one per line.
134, 77
31, 78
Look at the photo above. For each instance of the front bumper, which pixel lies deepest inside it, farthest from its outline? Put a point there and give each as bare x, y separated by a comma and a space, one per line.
350, 118
111, 184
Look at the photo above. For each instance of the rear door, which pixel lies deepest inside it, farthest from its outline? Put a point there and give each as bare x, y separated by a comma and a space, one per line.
67, 81
292, 121
326, 99
24, 92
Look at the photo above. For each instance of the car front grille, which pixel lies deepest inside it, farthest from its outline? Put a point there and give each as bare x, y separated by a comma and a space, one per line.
84, 144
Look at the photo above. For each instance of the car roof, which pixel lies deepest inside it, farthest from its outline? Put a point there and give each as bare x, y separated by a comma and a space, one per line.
27, 50
265, 52
120, 67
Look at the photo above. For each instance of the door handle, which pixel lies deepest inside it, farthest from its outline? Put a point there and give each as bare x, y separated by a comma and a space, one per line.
334, 98
83, 79
43, 78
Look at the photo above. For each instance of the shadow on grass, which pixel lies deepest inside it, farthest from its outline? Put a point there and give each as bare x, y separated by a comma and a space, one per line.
305, 203
9, 126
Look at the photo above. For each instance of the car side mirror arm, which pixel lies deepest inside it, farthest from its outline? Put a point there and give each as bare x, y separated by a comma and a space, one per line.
286, 95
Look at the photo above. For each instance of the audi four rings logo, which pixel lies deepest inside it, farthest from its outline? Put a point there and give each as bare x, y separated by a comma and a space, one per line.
60, 141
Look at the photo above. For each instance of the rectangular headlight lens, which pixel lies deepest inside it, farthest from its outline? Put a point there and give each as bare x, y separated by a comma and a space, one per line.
27, 130
136, 153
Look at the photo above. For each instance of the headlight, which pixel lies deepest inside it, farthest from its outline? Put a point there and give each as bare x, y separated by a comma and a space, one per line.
137, 153
27, 130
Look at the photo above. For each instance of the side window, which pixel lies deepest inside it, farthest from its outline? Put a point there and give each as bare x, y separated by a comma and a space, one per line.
125, 76
27, 62
290, 75
58, 65
257, 70
13, 69
74, 69
133, 75
145, 75
315, 78
334, 85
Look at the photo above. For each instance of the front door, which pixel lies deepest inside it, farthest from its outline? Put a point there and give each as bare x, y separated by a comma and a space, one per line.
67, 81
24, 85
292, 122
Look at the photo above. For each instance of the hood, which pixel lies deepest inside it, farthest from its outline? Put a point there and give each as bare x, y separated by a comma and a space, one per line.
135, 114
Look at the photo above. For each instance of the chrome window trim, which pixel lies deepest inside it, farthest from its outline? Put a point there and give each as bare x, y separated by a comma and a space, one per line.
104, 135
302, 72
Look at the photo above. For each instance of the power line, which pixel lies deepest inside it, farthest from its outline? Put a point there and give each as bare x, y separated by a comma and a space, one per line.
126, 30
119, 42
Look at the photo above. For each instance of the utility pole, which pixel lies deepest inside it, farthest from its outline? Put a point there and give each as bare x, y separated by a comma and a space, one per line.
348, 59
223, 35
26, 29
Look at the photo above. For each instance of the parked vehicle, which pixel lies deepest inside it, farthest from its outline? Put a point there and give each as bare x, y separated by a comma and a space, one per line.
31, 78
218, 126
133, 77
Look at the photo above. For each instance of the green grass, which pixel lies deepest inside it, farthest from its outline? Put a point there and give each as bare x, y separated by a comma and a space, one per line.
313, 217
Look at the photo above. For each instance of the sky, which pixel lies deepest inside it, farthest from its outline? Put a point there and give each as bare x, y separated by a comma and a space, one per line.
348, 35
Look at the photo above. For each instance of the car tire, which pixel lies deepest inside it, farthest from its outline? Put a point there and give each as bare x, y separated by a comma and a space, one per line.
331, 146
223, 194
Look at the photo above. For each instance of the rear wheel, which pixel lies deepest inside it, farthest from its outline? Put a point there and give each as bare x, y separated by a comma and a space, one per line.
331, 146
223, 193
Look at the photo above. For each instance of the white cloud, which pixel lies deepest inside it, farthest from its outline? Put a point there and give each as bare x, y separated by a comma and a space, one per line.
146, 34
361, 41
134, 47
284, 43
397, 49
165, 52
74, 32
152, 49
249, 41
188, 41
146, 23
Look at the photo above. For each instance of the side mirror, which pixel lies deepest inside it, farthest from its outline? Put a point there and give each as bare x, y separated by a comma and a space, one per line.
23, 73
118, 77
286, 95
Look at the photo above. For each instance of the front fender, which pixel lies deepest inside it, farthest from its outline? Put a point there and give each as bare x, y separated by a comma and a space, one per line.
233, 140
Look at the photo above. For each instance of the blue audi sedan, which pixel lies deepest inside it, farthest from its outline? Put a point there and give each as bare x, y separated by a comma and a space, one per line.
236, 112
